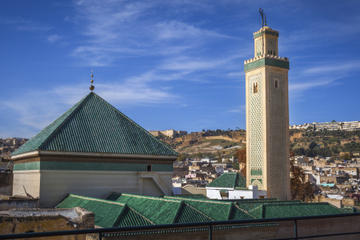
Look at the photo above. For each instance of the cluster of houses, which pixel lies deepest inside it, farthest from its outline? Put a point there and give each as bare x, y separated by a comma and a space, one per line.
336, 180
331, 126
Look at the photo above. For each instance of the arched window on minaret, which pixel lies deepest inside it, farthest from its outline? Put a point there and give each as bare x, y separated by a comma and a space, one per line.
255, 87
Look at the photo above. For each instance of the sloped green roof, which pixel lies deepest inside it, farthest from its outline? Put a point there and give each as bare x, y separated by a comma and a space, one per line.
229, 180
107, 213
158, 210
275, 210
162, 210
191, 196
217, 210
94, 126
138, 210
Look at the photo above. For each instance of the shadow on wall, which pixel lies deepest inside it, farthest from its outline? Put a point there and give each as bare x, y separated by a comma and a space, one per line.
6, 183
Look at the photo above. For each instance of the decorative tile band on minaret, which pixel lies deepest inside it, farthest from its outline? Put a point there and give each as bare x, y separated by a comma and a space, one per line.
267, 115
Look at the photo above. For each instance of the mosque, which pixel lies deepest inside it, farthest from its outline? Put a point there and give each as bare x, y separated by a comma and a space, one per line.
92, 149
95, 157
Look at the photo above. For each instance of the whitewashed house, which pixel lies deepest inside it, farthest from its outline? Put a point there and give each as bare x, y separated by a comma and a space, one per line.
232, 186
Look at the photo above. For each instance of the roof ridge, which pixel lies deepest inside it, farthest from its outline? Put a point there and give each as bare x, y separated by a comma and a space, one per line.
197, 210
244, 211
98, 200
72, 112
148, 220
207, 201
178, 211
255, 208
150, 197
236, 178
137, 125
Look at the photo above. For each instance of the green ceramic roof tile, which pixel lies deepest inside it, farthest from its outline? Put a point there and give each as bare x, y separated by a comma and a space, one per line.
237, 213
94, 126
191, 196
215, 209
273, 210
129, 217
107, 213
253, 203
229, 180
188, 214
158, 210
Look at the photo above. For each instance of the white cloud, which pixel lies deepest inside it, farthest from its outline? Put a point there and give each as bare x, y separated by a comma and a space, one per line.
329, 68
192, 64
303, 86
176, 29
36, 109
22, 24
53, 38
239, 109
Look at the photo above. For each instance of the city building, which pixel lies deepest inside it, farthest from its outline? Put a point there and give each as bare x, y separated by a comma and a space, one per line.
92, 149
267, 116
232, 186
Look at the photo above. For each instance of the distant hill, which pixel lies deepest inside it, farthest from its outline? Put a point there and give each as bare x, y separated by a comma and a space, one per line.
224, 143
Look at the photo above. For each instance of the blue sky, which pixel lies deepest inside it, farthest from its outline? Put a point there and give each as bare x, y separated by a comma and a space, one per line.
172, 64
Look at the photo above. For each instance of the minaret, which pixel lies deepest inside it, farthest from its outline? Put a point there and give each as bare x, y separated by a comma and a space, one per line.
267, 116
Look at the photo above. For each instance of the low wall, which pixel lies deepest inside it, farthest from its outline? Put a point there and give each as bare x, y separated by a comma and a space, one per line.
6, 182
7, 204
46, 220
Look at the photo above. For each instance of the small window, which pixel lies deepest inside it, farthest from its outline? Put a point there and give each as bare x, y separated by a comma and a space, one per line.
255, 87
276, 83
261, 197
242, 197
149, 168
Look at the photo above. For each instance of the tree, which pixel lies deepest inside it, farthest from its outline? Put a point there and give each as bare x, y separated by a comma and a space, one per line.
241, 157
300, 190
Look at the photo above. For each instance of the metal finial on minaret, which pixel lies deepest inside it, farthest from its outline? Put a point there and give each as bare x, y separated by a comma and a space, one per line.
263, 17
92, 87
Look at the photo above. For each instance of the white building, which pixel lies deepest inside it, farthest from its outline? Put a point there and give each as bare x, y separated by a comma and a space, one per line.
232, 186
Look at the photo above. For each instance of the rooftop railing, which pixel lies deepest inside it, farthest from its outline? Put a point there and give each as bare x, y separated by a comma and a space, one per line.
207, 228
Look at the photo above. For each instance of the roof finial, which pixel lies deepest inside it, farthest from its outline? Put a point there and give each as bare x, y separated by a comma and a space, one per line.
92, 87
263, 17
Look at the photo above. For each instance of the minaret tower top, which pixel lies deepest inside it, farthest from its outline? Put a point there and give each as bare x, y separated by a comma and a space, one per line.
266, 42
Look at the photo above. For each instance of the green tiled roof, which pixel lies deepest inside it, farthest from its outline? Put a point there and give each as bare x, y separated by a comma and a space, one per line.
94, 126
216, 209
107, 213
158, 210
137, 210
229, 180
276, 210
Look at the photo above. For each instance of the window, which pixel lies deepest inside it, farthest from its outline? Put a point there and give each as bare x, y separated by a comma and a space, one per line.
261, 197
149, 168
242, 197
255, 87
224, 194
276, 83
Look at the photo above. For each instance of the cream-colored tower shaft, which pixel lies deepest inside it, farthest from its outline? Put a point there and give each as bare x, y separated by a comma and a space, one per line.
267, 117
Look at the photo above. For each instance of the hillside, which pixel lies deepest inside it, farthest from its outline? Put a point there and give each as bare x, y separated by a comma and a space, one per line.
224, 143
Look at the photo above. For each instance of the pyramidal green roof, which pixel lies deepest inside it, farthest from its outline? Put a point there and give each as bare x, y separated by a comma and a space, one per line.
94, 126
229, 180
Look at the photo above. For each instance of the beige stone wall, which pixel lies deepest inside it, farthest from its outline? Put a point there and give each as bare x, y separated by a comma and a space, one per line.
55, 185
277, 131
27, 180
